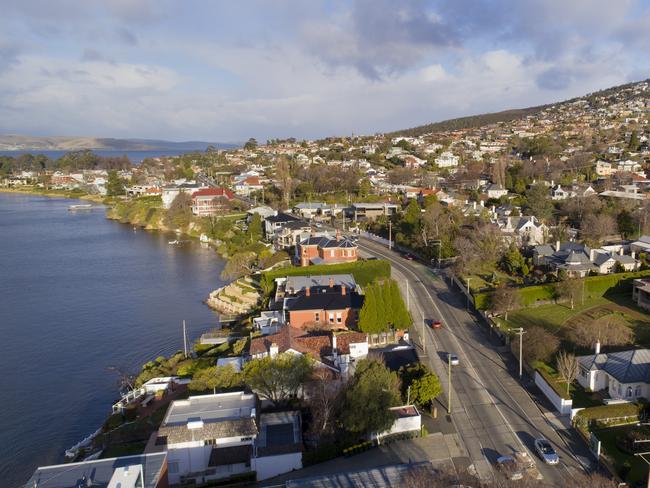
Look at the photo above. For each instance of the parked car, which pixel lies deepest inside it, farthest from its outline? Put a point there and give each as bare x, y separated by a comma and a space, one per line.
436, 324
408, 256
546, 451
453, 359
517, 466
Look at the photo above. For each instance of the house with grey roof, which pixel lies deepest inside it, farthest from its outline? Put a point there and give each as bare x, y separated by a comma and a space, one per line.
624, 375
641, 293
140, 471
578, 260
523, 231
213, 437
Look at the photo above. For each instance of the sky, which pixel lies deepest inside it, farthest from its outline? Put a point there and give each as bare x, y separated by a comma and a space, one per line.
224, 71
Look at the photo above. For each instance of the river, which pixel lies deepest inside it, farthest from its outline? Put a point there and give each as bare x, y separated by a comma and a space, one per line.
80, 294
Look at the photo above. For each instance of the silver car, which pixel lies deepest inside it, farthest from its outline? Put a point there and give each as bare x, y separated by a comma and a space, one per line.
546, 451
453, 359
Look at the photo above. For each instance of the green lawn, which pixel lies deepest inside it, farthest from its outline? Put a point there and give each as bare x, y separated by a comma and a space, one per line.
638, 469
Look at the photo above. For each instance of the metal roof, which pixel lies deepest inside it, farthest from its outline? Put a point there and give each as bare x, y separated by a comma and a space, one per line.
631, 366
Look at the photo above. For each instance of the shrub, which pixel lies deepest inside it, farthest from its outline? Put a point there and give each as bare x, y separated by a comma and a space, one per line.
608, 415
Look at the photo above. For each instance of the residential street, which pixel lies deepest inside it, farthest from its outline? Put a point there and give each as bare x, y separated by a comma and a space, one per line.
491, 411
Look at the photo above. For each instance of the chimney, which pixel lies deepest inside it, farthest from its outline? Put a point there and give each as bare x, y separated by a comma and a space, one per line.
338, 235
343, 288
331, 282
633, 254
557, 246
592, 254
597, 347
474, 204
308, 291
620, 251
273, 350
334, 344
482, 203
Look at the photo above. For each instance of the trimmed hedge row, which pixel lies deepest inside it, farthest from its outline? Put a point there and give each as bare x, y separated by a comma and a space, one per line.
599, 416
559, 387
364, 272
595, 286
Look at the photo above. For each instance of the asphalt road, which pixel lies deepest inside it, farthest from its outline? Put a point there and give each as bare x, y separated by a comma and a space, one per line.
492, 412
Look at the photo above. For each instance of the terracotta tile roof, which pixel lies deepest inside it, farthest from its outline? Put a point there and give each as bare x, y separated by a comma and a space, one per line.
213, 192
316, 345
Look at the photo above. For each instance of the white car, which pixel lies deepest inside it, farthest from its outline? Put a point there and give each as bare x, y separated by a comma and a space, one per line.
546, 451
453, 359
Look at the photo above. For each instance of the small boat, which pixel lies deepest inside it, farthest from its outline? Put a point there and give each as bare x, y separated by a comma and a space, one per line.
84, 206
174, 242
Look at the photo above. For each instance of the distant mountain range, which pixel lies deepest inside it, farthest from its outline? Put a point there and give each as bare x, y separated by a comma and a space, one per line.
13, 142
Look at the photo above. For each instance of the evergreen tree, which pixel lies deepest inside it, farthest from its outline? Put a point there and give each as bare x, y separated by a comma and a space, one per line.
368, 314
401, 319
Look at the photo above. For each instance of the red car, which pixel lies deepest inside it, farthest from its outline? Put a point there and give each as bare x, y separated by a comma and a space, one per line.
408, 256
436, 324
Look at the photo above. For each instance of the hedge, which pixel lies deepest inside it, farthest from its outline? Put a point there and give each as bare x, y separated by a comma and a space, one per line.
364, 272
558, 385
595, 286
599, 415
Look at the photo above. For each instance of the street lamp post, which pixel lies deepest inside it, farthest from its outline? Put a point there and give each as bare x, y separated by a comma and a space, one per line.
468, 293
448, 383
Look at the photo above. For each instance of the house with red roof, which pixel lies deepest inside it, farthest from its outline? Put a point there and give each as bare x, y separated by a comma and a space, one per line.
208, 201
247, 185
335, 351
326, 250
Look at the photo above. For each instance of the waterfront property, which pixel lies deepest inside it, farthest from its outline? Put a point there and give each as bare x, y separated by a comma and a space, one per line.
209, 201
331, 307
211, 437
334, 351
142, 471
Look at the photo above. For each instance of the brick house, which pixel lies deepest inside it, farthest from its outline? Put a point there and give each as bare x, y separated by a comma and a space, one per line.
208, 201
331, 307
325, 250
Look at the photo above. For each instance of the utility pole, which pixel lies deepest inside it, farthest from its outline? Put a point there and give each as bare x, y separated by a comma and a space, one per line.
184, 339
448, 383
390, 235
520, 331
439, 244
468, 293
424, 342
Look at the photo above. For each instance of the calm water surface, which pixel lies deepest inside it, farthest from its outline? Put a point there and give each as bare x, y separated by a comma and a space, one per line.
79, 294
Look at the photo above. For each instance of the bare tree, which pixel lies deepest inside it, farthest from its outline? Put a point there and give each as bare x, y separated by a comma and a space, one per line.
539, 344
283, 176
569, 290
610, 330
503, 300
567, 368
323, 398
595, 227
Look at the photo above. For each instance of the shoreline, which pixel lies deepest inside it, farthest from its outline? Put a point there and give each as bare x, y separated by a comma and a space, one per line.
56, 194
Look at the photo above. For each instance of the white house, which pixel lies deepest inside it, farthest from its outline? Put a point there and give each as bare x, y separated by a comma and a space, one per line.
447, 160
604, 168
495, 191
210, 437
624, 375
524, 231
407, 419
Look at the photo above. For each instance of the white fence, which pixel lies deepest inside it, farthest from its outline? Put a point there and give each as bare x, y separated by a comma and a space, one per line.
561, 405
375, 238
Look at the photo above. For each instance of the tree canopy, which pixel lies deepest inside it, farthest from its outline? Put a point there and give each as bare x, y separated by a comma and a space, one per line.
278, 378
383, 308
368, 397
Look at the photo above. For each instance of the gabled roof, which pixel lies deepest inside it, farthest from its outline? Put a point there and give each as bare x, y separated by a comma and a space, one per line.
316, 345
328, 242
213, 192
632, 366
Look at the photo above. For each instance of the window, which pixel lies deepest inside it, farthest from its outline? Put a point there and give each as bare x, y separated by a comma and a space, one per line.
339, 319
172, 466
629, 392
637, 391
331, 318
317, 316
